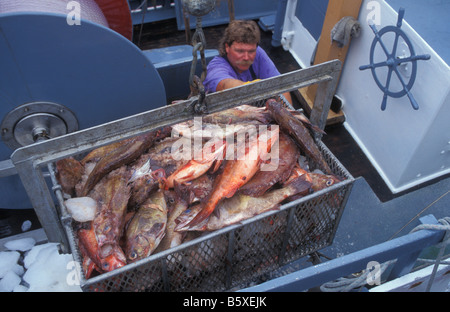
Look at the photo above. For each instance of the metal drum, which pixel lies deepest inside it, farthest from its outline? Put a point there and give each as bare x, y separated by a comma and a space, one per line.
64, 68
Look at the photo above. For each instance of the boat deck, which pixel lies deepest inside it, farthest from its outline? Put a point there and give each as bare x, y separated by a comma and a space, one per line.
372, 215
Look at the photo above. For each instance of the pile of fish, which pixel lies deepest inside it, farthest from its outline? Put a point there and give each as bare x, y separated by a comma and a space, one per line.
152, 192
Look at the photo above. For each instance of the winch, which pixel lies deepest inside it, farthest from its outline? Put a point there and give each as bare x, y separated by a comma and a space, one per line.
66, 65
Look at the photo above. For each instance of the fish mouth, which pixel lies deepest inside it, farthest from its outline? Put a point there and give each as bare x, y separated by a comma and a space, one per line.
136, 252
106, 250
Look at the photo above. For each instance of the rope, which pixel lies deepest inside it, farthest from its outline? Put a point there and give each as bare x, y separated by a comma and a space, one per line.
446, 240
345, 284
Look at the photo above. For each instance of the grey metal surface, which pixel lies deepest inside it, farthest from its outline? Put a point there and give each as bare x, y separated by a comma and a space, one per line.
21, 124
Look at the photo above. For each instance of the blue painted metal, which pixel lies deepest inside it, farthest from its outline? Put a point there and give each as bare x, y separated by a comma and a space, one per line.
312, 15
145, 11
174, 64
393, 61
279, 21
248, 9
405, 248
90, 69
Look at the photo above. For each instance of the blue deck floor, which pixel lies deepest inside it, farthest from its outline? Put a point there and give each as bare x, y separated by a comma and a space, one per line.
366, 221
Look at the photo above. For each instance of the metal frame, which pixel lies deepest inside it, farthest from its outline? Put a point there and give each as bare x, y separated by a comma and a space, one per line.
30, 160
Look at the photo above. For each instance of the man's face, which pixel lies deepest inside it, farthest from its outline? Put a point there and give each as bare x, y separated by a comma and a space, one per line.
241, 55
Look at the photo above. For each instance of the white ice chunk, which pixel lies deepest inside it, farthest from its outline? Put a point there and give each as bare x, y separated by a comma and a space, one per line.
51, 271
33, 253
21, 244
9, 282
18, 269
26, 225
8, 260
82, 209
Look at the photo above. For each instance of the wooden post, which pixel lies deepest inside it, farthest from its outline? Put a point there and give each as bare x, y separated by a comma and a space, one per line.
327, 50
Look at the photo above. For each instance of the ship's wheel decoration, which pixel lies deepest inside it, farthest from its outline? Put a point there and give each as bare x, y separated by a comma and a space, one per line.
393, 62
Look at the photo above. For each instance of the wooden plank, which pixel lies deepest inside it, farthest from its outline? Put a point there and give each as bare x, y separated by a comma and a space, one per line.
327, 50
307, 104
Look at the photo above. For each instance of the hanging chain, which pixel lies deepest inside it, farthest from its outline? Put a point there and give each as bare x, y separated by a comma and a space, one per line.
196, 83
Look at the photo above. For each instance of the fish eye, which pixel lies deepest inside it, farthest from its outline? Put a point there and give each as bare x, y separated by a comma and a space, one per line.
105, 265
329, 182
133, 255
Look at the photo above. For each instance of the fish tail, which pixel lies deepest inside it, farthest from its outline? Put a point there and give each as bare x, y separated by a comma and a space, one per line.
195, 222
200, 217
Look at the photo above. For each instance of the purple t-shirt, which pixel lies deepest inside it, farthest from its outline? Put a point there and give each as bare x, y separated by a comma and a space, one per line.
219, 69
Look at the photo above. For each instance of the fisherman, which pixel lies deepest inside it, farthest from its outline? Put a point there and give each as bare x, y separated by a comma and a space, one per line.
241, 60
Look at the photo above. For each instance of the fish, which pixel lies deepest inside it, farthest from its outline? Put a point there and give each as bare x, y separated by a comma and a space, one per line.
176, 205
250, 114
318, 180
307, 122
125, 152
241, 114
296, 172
96, 154
263, 180
147, 228
197, 189
235, 174
292, 125
112, 194
143, 182
91, 254
69, 172
241, 207
161, 156
211, 153
199, 130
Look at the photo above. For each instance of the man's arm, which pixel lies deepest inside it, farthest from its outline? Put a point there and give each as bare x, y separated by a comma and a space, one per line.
228, 83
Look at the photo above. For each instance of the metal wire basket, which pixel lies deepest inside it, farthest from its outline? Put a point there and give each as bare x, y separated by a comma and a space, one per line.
226, 259
235, 256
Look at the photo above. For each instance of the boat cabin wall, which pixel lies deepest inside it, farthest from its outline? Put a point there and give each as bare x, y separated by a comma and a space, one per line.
407, 146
